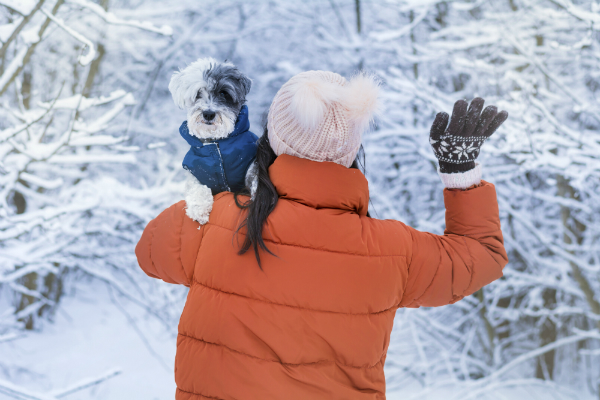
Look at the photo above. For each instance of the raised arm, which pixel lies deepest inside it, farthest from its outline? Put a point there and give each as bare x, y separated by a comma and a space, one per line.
168, 247
445, 268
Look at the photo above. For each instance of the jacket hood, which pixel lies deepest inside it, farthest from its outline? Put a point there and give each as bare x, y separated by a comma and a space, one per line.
320, 184
242, 124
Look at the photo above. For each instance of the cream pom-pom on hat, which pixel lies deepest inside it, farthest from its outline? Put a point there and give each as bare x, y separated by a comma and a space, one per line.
321, 116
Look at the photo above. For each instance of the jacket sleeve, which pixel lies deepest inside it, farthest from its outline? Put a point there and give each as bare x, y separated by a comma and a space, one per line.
443, 269
169, 245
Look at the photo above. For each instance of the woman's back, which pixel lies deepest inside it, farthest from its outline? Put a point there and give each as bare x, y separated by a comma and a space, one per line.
315, 321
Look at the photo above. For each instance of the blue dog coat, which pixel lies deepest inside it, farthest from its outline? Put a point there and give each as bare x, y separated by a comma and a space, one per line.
222, 164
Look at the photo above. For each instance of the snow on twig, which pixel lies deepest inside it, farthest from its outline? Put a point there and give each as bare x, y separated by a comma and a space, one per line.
23, 7
10, 336
101, 122
83, 59
37, 116
15, 130
110, 18
12, 68
41, 182
84, 103
541, 350
385, 36
127, 158
21, 272
546, 72
20, 393
577, 12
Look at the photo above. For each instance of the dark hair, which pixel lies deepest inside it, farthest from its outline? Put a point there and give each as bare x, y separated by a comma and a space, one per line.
266, 197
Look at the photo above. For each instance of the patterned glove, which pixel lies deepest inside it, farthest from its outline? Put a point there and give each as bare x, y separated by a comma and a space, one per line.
457, 146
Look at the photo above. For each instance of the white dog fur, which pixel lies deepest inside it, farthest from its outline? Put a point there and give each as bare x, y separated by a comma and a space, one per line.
198, 200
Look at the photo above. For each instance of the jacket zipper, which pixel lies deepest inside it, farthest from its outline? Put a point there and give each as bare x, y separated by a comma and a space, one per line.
222, 168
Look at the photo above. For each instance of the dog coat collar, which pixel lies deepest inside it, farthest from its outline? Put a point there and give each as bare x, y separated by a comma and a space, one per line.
222, 164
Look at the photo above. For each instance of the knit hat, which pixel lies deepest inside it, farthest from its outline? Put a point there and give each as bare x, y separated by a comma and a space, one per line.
320, 116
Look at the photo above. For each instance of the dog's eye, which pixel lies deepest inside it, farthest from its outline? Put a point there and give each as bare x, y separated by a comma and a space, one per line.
226, 96
198, 95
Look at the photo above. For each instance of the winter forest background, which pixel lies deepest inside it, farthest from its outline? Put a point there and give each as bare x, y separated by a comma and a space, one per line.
90, 152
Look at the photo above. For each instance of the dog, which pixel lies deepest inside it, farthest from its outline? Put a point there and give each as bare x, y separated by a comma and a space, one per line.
222, 150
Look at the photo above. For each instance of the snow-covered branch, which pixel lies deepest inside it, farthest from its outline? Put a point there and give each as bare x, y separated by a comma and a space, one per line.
91, 53
114, 20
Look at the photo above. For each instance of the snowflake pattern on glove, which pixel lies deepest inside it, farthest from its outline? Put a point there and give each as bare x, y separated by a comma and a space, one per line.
456, 149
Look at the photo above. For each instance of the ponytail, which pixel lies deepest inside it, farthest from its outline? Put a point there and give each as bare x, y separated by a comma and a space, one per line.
264, 201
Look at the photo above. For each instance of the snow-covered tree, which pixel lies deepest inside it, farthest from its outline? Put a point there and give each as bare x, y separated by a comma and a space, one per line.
61, 206
534, 59
81, 171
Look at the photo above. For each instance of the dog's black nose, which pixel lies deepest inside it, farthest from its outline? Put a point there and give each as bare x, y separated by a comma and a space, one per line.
208, 115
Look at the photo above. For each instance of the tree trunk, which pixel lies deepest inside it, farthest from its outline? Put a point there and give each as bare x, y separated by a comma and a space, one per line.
574, 229
442, 13
93, 72
361, 61
30, 281
95, 65
26, 89
358, 16
545, 363
415, 66
489, 329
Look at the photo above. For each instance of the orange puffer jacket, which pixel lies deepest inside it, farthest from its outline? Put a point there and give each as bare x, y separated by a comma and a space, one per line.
315, 322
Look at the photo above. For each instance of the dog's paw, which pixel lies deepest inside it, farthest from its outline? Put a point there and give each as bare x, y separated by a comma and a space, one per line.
199, 201
199, 210
198, 214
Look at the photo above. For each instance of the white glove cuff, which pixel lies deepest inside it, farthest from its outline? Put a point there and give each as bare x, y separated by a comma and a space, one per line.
462, 180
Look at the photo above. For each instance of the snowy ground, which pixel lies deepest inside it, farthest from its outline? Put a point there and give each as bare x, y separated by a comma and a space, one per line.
93, 337
90, 337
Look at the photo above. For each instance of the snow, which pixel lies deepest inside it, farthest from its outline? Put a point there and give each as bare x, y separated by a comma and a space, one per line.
91, 51
81, 103
113, 19
10, 70
87, 160
156, 145
7, 29
41, 182
90, 337
22, 6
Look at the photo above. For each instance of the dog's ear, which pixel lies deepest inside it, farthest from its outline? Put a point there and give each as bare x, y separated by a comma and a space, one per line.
177, 87
186, 83
246, 84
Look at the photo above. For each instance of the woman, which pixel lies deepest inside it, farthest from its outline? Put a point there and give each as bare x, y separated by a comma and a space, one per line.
307, 314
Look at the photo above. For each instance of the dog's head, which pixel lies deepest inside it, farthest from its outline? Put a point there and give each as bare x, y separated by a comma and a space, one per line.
213, 94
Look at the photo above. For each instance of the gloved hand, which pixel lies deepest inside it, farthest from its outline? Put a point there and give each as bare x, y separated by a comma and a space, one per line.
457, 146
